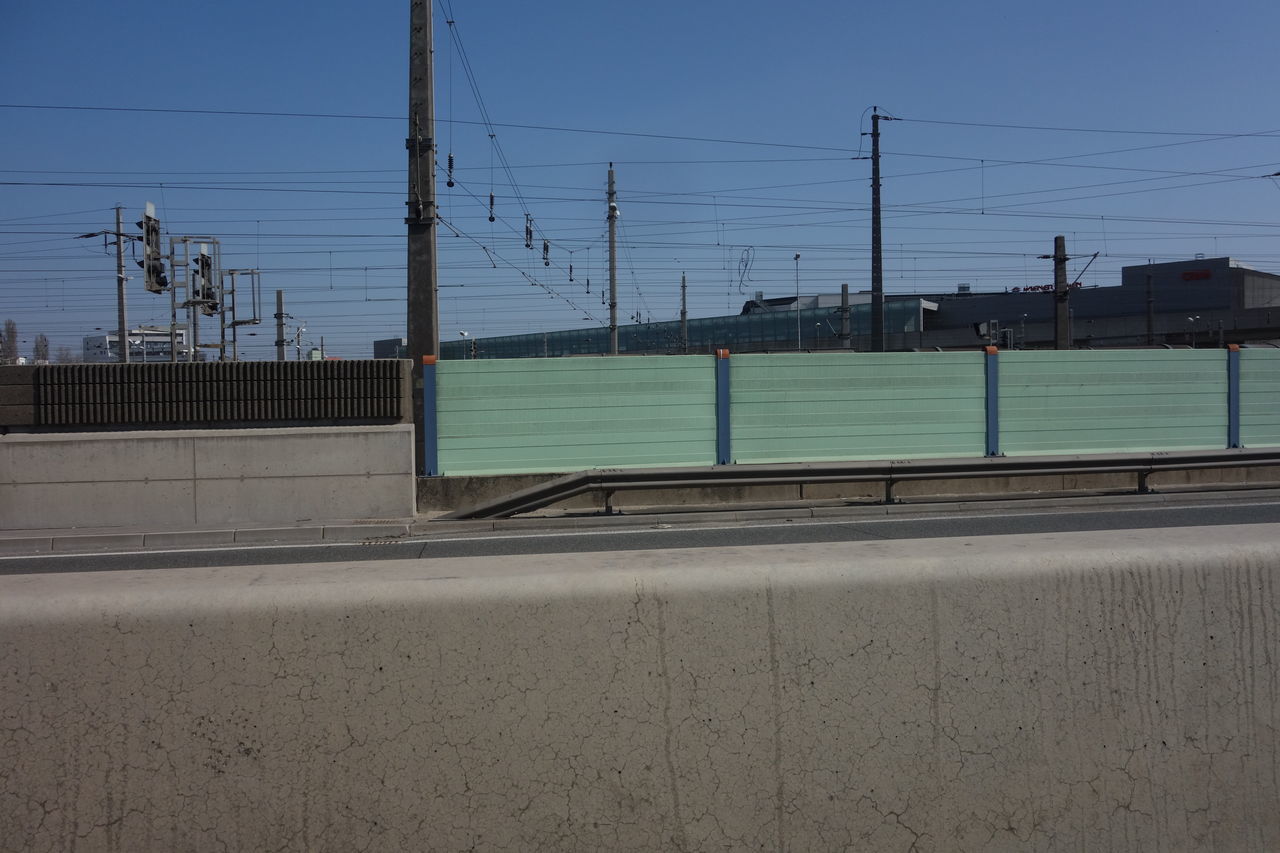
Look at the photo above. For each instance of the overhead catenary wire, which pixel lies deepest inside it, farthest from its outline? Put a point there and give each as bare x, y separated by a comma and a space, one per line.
551, 291
483, 123
1060, 129
657, 228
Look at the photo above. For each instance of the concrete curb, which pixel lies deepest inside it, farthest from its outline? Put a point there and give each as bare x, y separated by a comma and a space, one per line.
25, 545
264, 535
638, 517
190, 539
364, 532
69, 542
99, 542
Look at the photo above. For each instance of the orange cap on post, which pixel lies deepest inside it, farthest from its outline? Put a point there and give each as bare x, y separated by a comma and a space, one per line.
991, 350
1233, 347
429, 359
722, 353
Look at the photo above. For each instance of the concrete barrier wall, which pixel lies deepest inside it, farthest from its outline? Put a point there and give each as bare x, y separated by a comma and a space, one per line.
202, 478
1105, 691
17, 395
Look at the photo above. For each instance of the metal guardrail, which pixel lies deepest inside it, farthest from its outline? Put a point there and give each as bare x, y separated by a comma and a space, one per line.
890, 472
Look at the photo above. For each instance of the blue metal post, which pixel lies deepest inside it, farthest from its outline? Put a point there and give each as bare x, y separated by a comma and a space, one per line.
722, 407
430, 425
991, 364
1233, 396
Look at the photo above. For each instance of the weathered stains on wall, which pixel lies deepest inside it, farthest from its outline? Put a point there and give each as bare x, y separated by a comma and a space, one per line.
1109, 691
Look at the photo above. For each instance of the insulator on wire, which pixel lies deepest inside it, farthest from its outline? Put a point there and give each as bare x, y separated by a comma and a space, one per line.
491, 216
588, 285
570, 272
546, 253
449, 182
528, 231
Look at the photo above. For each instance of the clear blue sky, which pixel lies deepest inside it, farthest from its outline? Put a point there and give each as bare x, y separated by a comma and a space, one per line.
971, 194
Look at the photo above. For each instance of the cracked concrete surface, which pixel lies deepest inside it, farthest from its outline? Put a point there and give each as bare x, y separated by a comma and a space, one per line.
1103, 691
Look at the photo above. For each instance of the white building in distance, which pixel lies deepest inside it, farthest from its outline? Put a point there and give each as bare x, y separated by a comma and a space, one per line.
147, 343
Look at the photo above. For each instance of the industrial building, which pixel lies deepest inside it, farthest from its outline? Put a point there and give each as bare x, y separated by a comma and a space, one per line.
1201, 302
390, 348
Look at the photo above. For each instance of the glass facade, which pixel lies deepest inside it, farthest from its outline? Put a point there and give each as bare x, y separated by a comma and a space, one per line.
764, 331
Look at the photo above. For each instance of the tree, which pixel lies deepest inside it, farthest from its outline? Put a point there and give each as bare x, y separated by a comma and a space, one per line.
65, 355
9, 343
40, 350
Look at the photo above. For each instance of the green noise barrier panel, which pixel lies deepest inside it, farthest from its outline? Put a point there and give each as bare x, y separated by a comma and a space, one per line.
508, 416
1260, 397
1112, 401
798, 407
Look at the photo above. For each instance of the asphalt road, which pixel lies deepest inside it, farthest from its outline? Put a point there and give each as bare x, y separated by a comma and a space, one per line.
702, 532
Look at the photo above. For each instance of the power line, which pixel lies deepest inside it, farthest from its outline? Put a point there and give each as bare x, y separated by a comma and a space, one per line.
203, 172
356, 116
494, 257
1260, 133
161, 185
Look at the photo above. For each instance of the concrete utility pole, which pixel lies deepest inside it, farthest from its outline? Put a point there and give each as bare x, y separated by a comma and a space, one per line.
222, 320
423, 326
280, 340
229, 296
193, 319
1151, 312
613, 264
420, 217
877, 259
845, 332
684, 316
797, 262
173, 313
121, 278
1061, 294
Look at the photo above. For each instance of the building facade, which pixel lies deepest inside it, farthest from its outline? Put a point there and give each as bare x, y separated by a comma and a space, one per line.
148, 343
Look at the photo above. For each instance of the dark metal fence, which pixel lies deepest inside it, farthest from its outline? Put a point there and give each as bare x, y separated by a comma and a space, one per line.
212, 394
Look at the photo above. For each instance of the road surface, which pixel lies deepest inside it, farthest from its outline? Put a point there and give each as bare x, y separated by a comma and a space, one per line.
702, 530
